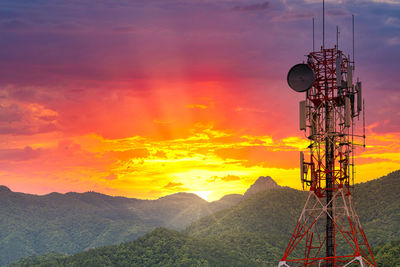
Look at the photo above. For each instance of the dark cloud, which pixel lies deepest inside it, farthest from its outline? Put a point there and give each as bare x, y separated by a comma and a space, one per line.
125, 29
7, 14
24, 154
252, 7
80, 46
338, 12
10, 113
296, 15
20, 119
28, 129
14, 24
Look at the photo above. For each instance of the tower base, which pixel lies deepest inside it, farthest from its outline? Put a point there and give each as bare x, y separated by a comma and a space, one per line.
307, 245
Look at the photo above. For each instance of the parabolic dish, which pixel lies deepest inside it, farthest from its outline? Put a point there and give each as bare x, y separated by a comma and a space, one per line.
300, 77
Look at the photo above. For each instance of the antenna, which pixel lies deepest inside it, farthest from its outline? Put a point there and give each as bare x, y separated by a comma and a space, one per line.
337, 37
323, 24
364, 122
352, 24
313, 36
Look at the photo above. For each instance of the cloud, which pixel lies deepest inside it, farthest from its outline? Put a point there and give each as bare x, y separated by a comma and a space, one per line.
129, 154
336, 12
390, 2
14, 25
111, 177
393, 21
227, 178
394, 41
173, 185
18, 154
10, 113
27, 119
196, 106
84, 73
160, 154
294, 16
252, 7
260, 156
7, 14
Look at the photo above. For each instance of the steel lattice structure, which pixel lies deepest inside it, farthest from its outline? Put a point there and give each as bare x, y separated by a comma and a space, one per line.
328, 232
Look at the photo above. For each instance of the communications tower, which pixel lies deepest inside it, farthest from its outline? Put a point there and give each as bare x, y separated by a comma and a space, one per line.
328, 232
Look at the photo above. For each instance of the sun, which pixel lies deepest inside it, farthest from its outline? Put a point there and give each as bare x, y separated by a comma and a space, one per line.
203, 194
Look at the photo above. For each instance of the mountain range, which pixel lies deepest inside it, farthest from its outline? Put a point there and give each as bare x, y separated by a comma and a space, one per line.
250, 230
73, 222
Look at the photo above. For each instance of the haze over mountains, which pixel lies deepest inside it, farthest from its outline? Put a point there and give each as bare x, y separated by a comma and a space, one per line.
251, 230
72, 222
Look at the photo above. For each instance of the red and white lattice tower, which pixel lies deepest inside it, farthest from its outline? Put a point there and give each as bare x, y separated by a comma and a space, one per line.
328, 232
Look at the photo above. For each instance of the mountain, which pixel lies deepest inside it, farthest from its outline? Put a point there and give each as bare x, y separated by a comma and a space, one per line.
73, 222
377, 204
259, 226
261, 184
226, 201
262, 225
4, 189
252, 233
256, 229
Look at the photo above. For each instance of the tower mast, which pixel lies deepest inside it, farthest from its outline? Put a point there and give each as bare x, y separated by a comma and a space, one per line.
328, 232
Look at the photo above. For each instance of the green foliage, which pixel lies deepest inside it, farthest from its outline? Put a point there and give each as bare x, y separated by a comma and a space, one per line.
46, 260
377, 204
261, 226
388, 255
161, 247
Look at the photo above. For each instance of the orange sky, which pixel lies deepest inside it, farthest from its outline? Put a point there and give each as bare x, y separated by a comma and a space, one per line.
209, 146
148, 99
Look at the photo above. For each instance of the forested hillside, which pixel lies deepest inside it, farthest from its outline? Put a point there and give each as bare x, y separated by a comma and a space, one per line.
259, 226
164, 247
388, 255
161, 247
263, 224
377, 204
252, 233
72, 222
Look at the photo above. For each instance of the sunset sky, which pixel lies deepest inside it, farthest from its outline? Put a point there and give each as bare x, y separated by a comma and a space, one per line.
148, 98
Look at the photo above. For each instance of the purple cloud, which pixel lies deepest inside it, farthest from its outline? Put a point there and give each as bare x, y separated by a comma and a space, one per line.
252, 7
18, 154
10, 113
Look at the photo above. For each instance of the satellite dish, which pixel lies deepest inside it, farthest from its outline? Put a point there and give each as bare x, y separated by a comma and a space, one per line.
300, 77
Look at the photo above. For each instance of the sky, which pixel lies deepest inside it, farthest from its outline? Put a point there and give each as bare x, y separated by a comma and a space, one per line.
148, 98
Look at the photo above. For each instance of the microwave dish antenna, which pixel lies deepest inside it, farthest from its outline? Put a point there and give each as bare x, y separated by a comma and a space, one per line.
301, 77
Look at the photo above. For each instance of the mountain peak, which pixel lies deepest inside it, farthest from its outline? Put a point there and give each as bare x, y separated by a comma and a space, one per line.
261, 184
4, 189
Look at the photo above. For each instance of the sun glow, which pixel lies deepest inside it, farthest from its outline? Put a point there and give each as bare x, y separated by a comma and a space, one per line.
203, 194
